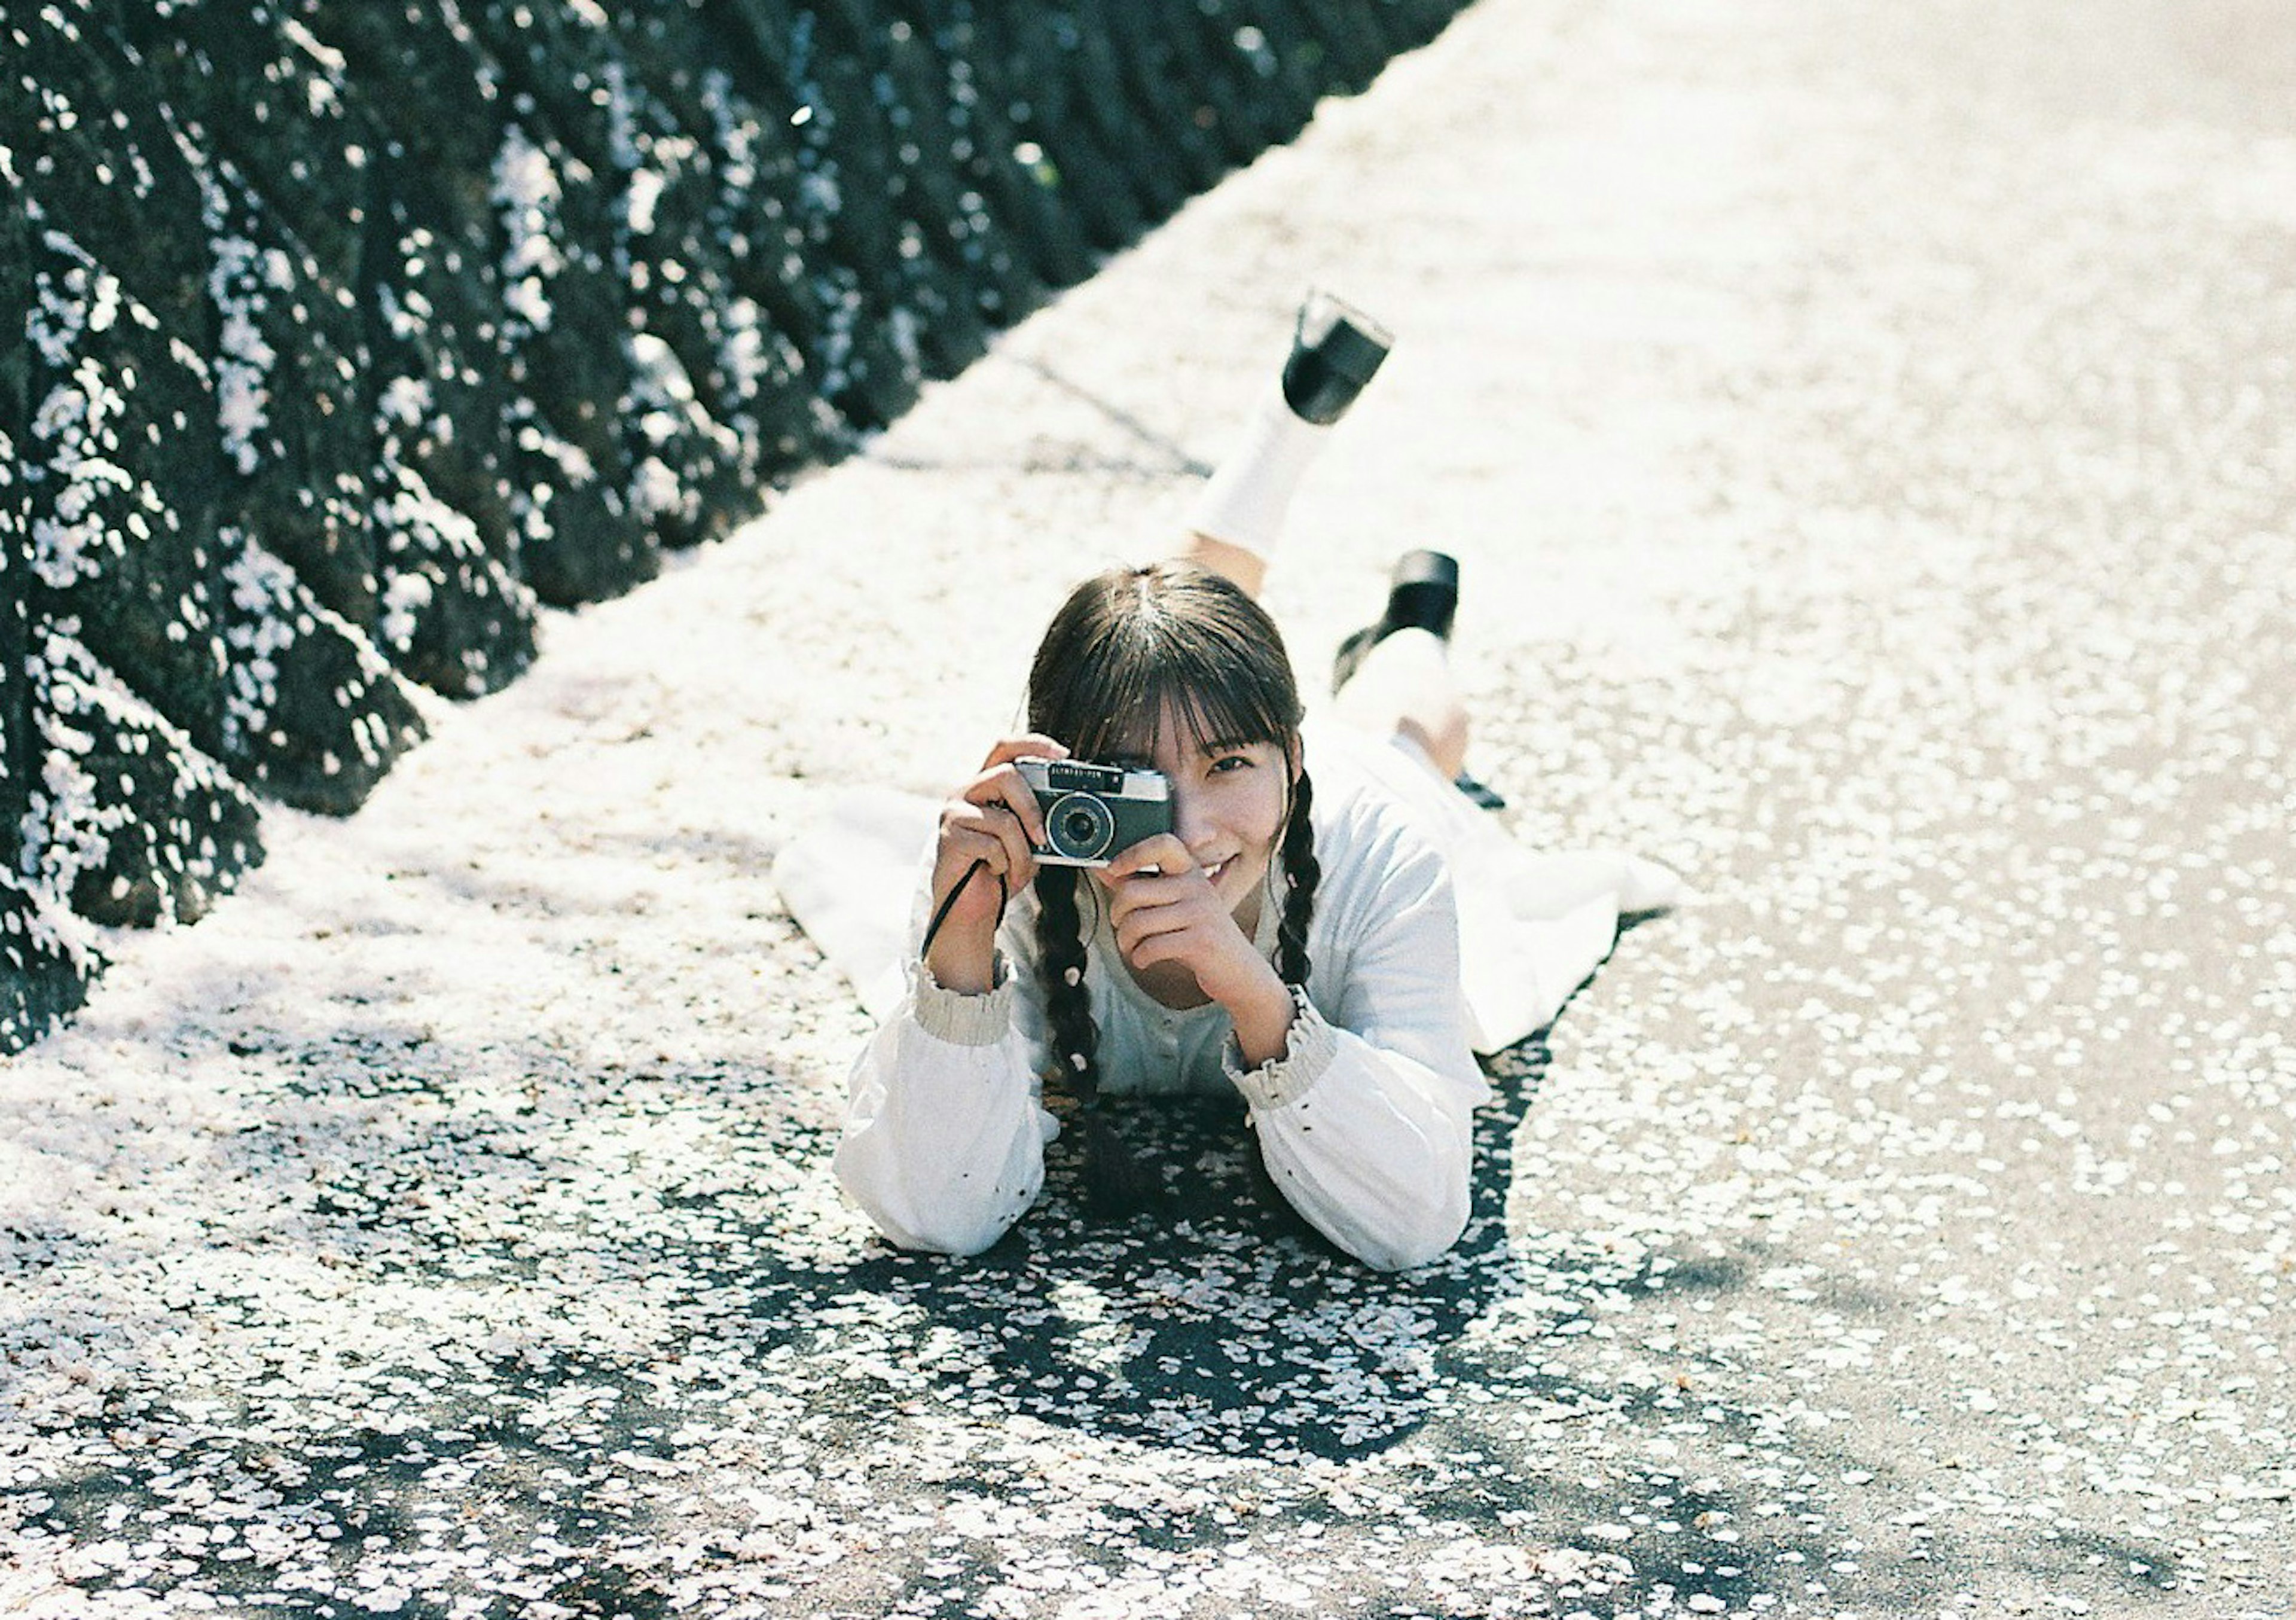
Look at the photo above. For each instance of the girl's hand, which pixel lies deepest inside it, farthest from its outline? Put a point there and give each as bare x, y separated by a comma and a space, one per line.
993, 819
1171, 914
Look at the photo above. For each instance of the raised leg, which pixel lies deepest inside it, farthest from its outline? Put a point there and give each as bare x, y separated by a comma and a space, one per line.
1403, 687
1248, 568
1239, 517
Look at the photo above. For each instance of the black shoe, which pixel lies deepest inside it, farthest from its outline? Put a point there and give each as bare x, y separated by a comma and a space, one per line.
1336, 350
1423, 594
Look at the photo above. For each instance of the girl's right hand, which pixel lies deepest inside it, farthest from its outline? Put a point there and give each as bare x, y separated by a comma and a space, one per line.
993, 819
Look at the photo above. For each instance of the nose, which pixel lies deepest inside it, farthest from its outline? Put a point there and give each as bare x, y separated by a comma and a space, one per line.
1190, 823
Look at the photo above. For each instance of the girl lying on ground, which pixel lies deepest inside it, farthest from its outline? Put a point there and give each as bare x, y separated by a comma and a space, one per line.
1296, 938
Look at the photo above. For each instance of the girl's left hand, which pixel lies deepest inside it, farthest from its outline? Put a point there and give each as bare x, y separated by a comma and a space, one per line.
1172, 913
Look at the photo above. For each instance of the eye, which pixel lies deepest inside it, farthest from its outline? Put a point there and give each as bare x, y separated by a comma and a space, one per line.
1232, 762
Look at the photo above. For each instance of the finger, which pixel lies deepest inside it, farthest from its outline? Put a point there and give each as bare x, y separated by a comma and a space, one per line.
1016, 841
1162, 850
1031, 745
1149, 903
1002, 794
1162, 934
1137, 923
1008, 790
1121, 902
963, 821
964, 846
993, 832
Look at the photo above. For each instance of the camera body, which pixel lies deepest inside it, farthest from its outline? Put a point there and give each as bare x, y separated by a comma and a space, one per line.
1095, 812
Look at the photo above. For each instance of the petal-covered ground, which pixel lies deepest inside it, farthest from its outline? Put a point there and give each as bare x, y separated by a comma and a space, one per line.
1867, 436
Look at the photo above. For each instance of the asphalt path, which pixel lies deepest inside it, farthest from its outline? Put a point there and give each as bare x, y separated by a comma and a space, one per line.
1866, 435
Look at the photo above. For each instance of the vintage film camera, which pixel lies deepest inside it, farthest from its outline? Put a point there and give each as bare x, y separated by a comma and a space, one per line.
1095, 812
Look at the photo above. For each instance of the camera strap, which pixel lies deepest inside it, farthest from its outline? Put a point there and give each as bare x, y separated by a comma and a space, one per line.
941, 915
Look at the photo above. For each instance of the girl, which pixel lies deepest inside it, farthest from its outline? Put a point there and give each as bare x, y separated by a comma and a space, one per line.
1294, 939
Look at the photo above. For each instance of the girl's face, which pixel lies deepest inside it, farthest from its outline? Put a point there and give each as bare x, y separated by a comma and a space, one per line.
1228, 804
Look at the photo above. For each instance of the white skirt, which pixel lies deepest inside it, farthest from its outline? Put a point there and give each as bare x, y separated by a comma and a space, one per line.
1533, 926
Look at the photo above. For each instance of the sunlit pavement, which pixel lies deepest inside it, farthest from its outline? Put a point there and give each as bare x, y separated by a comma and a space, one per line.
1866, 437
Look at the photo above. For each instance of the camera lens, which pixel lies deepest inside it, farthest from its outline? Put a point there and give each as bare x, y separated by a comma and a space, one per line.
1080, 827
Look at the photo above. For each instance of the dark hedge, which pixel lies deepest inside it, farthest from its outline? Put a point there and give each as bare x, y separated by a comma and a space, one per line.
355, 329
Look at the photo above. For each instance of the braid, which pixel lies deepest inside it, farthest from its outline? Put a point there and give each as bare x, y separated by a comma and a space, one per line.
1301, 873
1115, 1182
1067, 1009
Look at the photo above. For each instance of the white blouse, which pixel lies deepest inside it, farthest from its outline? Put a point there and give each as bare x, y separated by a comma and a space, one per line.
1365, 1123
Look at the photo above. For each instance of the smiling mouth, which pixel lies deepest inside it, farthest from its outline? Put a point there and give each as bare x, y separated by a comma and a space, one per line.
1212, 872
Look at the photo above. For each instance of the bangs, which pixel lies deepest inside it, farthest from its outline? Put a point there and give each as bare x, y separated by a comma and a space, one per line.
1131, 689
1208, 656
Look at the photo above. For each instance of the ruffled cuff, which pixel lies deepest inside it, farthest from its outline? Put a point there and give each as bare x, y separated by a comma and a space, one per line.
1308, 1048
957, 1018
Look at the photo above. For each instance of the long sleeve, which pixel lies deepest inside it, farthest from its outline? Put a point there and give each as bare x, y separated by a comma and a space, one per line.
1367, 1121
944, 1143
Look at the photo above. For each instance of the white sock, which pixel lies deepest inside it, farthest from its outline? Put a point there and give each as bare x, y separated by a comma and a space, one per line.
1245, 501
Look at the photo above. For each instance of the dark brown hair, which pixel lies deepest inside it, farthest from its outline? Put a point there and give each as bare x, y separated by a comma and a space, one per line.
1126, 648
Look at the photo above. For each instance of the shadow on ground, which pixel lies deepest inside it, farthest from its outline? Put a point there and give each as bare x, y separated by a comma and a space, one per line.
605, 1340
